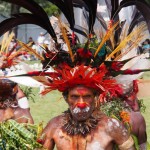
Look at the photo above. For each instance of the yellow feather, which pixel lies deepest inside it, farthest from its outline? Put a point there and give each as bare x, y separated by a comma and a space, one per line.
39, 130
106, 37
6, 41
62, 28
134, 45
29, 49
127, 39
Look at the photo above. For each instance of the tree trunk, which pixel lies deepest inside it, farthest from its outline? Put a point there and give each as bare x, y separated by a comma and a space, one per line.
15, 9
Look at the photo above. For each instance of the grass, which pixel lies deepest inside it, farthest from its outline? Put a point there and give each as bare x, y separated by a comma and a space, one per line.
46, 107
147, 112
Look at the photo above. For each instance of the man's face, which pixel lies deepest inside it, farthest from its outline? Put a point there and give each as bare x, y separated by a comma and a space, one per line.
81, 102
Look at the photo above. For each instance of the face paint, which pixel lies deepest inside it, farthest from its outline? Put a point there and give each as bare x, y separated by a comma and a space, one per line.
81, 105
82, 90
81, 102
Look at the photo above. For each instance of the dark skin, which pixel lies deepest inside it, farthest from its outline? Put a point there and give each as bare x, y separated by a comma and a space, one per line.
103, 137
19, 114
136, 118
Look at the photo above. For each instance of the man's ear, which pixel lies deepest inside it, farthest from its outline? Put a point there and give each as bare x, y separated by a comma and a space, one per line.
97, 101
65, 97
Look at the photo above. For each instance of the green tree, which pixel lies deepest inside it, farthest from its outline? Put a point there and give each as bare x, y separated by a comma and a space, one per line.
148, 1
48, 7
7, 9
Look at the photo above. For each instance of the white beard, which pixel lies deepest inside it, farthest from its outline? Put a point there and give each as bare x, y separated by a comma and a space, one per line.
77, 110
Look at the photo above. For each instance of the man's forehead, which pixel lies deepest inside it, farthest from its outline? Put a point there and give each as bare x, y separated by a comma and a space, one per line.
81, 90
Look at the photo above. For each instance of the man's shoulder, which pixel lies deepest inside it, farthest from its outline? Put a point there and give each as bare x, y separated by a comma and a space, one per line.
56, 120
111, 123
53, 124
137, 117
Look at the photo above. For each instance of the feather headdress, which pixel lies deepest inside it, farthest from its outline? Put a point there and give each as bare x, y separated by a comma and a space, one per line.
8, 54
90, 55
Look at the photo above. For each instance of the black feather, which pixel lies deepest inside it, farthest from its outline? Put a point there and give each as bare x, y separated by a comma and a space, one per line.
101, 20
18, 19
92, 5
80, 4
69, 6
115, 5
137, 19
141, 5
38, 11
66, 8
81, 30
109, 7
86, 15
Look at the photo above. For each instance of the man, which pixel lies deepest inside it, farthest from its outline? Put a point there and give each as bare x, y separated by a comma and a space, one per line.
137, 121
13, 103
136, 118
21, 110
40, 42
83, 126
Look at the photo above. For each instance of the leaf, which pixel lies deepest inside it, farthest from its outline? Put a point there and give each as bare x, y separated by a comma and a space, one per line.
135, 142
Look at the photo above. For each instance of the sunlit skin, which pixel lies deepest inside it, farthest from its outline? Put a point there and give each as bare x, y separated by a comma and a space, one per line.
103, 137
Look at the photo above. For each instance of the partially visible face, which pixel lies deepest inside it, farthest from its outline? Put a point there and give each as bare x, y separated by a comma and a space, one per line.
81, 102
133, 103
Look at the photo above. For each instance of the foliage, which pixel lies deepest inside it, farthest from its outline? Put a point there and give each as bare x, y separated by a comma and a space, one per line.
113, 108
5, 8
135, 142
28, 91
16, 136
148, 1
148, 146
141, 105
48, 7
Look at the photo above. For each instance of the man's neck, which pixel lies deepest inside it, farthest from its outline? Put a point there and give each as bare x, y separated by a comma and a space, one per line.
74, 127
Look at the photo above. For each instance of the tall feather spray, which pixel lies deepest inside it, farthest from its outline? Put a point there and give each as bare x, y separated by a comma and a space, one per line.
141, 5
127, 39
66, 40
38, 11
106, 37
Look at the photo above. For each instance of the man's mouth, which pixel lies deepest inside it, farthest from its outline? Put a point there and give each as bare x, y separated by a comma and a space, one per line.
78, 110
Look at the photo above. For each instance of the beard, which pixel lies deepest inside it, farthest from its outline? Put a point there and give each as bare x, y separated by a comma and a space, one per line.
73, 126
81, 114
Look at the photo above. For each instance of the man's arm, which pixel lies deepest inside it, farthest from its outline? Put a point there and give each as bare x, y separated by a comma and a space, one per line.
24, 109
48, 138
120, 135
142, 136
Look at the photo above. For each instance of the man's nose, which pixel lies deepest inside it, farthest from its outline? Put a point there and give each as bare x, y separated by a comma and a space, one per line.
81, 103
81, 99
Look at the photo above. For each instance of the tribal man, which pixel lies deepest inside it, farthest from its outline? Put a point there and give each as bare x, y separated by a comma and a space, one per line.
83, 126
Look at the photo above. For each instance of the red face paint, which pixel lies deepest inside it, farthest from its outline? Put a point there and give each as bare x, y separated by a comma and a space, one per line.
81, 105
82, 90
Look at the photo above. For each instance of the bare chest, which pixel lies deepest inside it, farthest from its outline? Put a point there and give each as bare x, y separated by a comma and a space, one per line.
94, 141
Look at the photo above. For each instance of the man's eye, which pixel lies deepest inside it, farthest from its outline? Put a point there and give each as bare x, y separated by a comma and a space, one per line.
87, 96
74, 97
